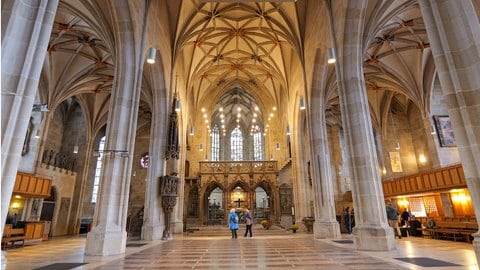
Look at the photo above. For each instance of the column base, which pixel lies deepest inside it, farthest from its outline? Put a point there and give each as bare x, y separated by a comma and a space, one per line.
374, 238
105, 243
152, 232
177, 227
326, 229
4, 260
476, 245
167, 236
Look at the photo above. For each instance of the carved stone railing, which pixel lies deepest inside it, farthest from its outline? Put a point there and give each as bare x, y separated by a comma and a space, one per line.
59, 160
227, 167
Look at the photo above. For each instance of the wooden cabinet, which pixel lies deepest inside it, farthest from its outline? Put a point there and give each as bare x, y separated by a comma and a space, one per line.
34, 230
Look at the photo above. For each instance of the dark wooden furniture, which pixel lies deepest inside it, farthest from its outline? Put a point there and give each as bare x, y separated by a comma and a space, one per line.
11, 235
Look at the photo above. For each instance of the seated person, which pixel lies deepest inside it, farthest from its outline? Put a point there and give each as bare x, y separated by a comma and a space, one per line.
414, 224
431, 224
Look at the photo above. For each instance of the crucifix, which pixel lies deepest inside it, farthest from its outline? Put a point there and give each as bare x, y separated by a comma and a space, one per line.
237, 202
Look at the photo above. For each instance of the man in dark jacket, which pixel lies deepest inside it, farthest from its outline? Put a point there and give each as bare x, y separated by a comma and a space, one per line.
392, 216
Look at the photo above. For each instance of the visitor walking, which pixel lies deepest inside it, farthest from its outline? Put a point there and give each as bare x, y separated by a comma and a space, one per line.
249, 223
392, 216
233, 223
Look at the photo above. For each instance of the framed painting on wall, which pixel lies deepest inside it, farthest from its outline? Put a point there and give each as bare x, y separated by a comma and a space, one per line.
444, 131
395, 162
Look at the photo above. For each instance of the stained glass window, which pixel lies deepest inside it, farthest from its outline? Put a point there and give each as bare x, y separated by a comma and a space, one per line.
257, 143
236, 144
98, 170
215, 139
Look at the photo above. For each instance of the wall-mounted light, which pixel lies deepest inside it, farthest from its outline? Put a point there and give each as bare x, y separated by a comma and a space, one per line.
278, 146
75, 149
331, 56
192, 131
37, 135
201, 147
384, 171
397, 145
15, 205
152, 53
288, 129
422, 159
432, 130
302, 104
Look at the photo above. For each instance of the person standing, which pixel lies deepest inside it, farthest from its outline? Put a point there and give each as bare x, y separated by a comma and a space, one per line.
233, 223
348, 220
392, 216
248, 222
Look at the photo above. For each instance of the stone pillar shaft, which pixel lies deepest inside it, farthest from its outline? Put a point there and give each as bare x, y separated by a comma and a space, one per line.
301, 187
108, 235
323, 180
454, 34
153, 225
25, 37
371, 231
326, 225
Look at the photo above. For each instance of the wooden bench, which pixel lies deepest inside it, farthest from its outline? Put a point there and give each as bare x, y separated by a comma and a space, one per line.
453, 230
11, 235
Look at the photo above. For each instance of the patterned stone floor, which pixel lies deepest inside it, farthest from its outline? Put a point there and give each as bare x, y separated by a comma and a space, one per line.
281, 251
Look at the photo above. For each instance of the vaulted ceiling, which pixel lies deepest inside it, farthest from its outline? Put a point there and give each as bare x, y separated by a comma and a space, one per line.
258, 47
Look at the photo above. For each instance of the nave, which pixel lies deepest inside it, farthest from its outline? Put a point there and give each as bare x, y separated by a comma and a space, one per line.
276, 250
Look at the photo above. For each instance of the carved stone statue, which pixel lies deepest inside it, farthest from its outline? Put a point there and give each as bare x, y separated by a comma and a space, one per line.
168, 191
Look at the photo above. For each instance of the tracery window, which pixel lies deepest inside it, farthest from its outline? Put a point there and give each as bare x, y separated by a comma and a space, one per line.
98, 170
257, 143
236, 144
215, 147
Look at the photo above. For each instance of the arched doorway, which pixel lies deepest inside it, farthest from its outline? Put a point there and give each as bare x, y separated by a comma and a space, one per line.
262, 204
192, 204
48, 205
214, 206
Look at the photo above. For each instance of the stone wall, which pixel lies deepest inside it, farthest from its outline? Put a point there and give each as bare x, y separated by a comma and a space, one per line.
447, 155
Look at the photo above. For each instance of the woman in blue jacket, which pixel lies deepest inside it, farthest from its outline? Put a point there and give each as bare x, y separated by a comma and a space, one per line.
233, 223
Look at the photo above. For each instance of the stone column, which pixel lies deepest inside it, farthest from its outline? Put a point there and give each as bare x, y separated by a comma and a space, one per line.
78, 200
153, 225
379, 151
323, 180
431, 152
301, 187
108, 235
26, 28
337, 161
326, 225
371, 230
454, 34
169, 183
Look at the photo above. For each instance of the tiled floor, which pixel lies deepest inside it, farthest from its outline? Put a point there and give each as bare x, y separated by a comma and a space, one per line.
263, 251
